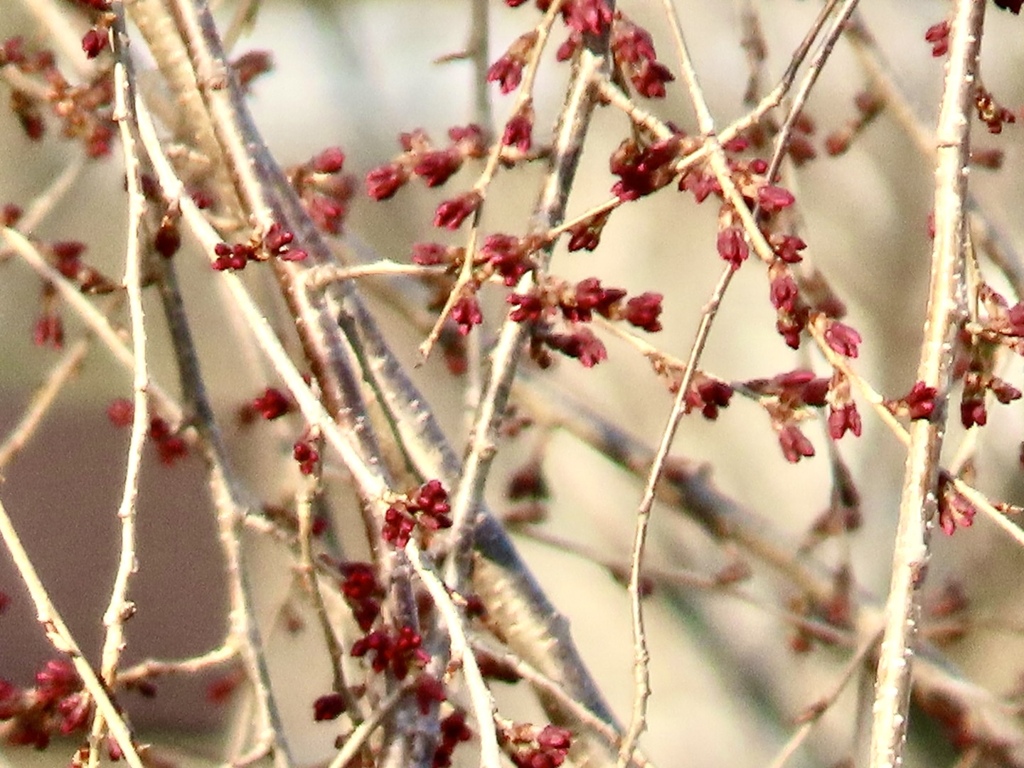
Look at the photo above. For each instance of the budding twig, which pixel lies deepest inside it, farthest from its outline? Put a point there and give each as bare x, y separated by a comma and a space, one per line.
945, 313
63, 641
119, 608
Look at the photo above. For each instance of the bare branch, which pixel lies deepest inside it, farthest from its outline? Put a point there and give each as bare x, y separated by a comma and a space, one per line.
944, 315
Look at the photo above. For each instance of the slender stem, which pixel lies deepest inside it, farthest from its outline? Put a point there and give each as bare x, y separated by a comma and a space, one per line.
357, 739
478, 48
312, 582
816, 711
151, 668
642, 686
641, 670
807, 83
90, 315
483, 182
367, 479
48, 199
550, 688
43, 399
462, 655
120, 609
231, 507
944, 314
568, 144
61, 638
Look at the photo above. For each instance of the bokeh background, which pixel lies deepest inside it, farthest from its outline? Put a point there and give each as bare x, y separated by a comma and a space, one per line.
356, 73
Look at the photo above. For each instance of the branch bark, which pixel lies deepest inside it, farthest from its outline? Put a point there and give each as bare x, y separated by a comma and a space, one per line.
918, 502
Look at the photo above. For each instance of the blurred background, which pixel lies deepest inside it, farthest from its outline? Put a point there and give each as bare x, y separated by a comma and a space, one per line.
356, 73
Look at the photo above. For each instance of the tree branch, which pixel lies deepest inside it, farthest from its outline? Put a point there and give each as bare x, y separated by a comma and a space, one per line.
944, 315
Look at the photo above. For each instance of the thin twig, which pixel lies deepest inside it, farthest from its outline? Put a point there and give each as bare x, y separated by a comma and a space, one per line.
549, 688
478, 49
152, 668
641, 654
462, 654
90, 315
680, 579
820, 707
755, 47
120, 609
42, 400
231, 506
568, 142
312, 583
357, 739
877, 402
47, 200
319, 277
641, 679
813, 72
945, 310
66, 36
483, 182
63, 641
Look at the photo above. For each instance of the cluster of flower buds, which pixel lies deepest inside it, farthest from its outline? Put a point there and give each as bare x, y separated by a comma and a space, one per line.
454, 731
1005, 324
251, 65
85, 110
975, 364
56, 705
66, 256
427, 507
48, 330
585, 235
421, 158
305, 452
271, 404
398, 650
276, 243
578, 303
324, 190
96, 39
937, 35
843, 415
708, 395
531, 746
575, 304
507, 70
786, 398
362, 592
633, 51
643, 169
328, 707
869, 106
955, 510
993, 114
170, 445
579, 343
918, 403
